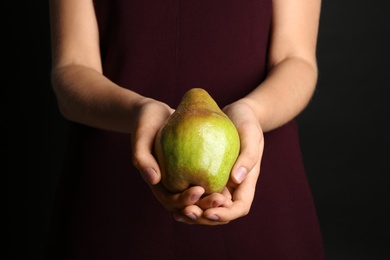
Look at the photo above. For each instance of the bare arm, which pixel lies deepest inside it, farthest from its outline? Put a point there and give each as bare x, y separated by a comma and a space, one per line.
292, 64
285, 92
84, 95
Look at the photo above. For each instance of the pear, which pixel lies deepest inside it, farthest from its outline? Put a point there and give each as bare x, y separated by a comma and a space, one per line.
197, 145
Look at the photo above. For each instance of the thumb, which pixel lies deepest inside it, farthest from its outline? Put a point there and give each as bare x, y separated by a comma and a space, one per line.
143, 158
251, 139
252, 144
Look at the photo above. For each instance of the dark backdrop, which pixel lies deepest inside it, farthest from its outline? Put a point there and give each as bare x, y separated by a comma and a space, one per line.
342, 130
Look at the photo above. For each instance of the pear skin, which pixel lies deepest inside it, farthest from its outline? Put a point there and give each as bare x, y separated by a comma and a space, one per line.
197, 146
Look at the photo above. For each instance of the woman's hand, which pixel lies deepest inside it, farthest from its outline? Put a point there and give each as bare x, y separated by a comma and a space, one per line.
151, 115
236, 199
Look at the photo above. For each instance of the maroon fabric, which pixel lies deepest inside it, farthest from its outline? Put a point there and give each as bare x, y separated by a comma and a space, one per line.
104, 210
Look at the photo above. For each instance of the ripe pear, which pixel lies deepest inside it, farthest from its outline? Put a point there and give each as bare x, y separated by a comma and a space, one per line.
197, 146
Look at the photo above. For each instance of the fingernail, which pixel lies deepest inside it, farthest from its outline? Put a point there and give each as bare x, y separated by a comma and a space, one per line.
240, 174
192, 216
149, 174
213, 217
178, 218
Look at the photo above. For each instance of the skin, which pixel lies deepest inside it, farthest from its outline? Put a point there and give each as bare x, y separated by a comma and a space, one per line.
86, 96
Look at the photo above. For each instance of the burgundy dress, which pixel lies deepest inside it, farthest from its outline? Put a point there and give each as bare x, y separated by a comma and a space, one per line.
160, 49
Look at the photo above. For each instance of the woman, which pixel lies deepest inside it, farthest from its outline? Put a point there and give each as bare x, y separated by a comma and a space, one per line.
119, 70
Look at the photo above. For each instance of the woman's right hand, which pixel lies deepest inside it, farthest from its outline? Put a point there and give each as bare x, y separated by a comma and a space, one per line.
150, 117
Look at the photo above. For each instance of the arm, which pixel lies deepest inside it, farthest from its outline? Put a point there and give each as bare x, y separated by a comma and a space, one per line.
86, 96
285, 92
292, 64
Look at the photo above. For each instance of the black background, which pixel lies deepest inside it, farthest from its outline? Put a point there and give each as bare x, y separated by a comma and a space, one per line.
342, 130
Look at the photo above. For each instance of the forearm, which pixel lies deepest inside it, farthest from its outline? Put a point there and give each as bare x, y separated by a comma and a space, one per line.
85, 96
285, 93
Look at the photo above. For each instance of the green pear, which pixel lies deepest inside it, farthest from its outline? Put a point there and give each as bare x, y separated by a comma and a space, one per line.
197, 146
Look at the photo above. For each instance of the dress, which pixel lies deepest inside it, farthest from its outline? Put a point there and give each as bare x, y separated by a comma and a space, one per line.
160, 49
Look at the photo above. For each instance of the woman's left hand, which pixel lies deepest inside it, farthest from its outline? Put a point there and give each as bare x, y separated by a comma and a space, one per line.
236, 199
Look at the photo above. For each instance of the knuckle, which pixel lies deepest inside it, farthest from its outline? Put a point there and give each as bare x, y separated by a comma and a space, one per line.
252, 158
137, 160
246, 212
245, 209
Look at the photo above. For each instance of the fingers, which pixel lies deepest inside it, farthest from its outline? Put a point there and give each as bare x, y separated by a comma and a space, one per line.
189, 196
177, 201
189, 206
194, 215
222, 214
242, 197
214, 216
215, 200
233, 204
151, 117
143, 159
251, 141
